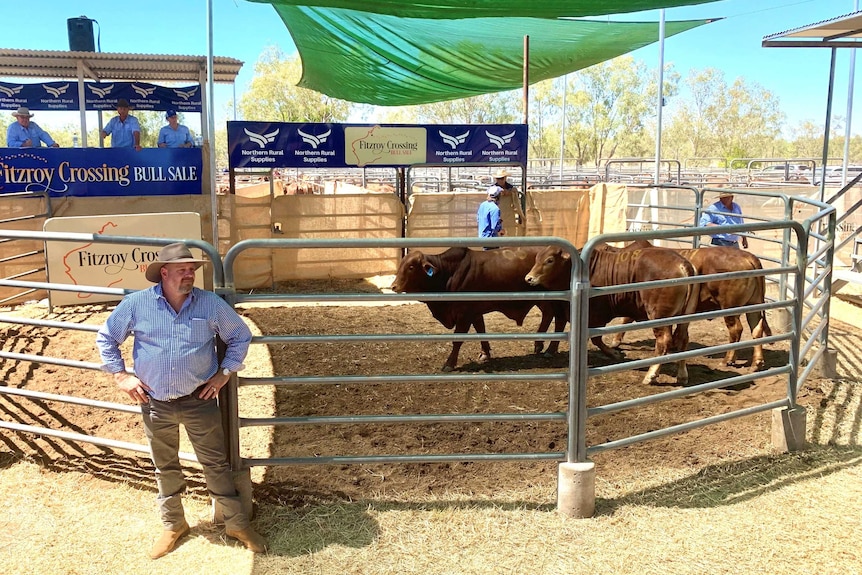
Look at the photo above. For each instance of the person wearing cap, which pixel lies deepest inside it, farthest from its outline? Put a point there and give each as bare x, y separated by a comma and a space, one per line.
124, 129
488, 216
724, 212
174, 135
26, 134
176, 379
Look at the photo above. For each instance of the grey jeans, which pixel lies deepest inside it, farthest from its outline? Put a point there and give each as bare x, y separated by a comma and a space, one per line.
202, 421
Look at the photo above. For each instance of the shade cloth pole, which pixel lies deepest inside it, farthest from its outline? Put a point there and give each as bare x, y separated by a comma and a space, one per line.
828, 123
849, 110
527, 80
211, 126
563, 126
660, 100
82, 99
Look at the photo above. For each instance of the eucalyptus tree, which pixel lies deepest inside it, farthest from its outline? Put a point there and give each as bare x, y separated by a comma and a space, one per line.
273, 95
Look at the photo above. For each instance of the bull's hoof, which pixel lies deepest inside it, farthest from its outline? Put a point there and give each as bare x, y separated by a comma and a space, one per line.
447, 368
648, 380
759, 366
548, 354
614, 354
484, 357
682, 381
538, 347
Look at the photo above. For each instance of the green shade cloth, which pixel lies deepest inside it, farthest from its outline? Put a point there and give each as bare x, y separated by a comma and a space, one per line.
391, 61
453, 9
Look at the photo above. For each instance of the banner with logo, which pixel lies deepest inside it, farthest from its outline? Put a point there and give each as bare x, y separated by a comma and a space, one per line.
88, 172
142, 96
111, 265
99, 96
296, 145
60, 96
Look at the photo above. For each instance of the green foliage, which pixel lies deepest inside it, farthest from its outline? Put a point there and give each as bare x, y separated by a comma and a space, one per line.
274, 96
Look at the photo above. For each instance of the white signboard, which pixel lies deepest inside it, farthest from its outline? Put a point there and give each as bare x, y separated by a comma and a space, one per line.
112, 265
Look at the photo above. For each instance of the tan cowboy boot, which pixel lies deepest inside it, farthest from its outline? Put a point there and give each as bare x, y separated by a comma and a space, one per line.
168, 540
250, 538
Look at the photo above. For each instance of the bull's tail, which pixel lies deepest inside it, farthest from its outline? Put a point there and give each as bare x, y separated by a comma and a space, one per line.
757, 320
680, 332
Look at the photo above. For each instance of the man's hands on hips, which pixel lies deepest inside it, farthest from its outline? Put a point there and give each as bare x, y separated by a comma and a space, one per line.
213, 385
133, 386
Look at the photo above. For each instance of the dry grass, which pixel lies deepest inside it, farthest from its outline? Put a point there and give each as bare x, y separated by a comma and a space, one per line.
757, 514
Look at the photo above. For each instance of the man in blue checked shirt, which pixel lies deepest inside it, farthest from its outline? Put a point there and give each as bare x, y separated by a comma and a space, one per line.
174, 135
176, 380
124, 129
26, 134
724, 212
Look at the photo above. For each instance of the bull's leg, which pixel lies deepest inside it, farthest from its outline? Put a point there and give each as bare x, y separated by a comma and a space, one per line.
479, 325
680, 343
560, 312
547, 311
662, 344
734, 331
617, 338
611, 353
463, 326
759, 328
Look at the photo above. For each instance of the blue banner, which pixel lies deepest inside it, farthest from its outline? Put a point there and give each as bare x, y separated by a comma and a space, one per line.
296, 145
44, 96
142, 96
90, 172
99, 96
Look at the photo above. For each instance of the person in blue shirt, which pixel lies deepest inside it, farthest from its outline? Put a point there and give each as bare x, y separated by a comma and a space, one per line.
125, 131
174, 135
26, 134
724, 212
488, 216
176, 380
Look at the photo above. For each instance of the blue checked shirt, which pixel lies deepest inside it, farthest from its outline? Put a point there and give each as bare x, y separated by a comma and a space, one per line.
174, 353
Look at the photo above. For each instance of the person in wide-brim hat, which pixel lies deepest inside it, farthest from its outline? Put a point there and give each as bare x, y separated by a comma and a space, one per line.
22, 112
177, 253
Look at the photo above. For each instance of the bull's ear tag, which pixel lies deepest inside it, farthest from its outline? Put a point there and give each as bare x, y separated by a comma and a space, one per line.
429, 271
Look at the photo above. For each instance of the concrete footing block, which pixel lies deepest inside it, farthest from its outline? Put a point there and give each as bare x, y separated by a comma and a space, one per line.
242, 480
829, 363
781, 320
576, 489
788, 429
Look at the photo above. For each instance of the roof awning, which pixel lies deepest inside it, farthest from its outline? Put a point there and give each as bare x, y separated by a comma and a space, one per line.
114, 66
840, 32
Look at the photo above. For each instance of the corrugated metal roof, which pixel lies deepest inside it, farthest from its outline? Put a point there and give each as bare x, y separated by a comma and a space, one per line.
56, 64
841, 31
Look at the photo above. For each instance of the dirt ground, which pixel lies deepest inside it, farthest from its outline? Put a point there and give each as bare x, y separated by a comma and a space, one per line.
299, 485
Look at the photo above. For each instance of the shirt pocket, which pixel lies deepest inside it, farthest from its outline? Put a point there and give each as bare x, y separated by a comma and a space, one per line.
200, 331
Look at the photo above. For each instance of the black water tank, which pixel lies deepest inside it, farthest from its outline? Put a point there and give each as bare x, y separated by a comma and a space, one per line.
81, 34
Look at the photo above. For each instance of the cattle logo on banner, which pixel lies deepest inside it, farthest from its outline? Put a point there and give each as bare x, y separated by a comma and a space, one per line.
293, 145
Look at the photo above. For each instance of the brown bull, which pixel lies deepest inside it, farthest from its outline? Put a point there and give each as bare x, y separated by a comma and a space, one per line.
726, 294
553, 270
465, 270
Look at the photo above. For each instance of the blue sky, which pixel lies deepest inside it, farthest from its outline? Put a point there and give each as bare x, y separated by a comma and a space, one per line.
242, 29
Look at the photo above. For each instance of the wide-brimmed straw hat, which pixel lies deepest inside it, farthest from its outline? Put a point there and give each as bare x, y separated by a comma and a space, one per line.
725, 194
177, 253
23, 111
501, 173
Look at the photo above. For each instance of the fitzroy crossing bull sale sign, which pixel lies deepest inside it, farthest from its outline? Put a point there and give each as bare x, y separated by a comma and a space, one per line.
296, 145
